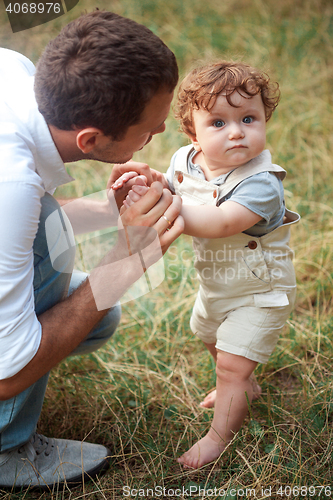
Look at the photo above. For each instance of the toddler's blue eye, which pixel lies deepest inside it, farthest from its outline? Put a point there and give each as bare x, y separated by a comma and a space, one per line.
248, 119
218, 123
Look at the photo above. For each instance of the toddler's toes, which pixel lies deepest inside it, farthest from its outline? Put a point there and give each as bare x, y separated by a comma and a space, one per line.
187, 462
206, 450
209, 401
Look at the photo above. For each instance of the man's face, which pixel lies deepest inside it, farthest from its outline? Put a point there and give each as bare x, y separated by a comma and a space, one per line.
137, 136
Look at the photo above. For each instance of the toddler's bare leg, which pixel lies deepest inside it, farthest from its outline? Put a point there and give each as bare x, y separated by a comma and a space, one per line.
232, 384
212, 349
209, 400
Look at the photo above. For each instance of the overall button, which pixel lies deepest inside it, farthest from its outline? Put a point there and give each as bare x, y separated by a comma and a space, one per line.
180, 177
215, 194
252, 245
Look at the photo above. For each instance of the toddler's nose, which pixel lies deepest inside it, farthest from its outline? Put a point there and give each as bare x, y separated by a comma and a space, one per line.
235, 131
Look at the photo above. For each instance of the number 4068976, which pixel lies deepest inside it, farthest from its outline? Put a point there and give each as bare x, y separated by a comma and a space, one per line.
33, 8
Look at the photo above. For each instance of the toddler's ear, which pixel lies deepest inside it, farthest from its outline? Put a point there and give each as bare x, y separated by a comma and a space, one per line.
195, 142
196, 146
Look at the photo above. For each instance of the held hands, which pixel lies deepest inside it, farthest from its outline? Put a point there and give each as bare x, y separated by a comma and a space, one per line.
157, 208
139, 189
123, 185
123, 177
142, 236
149, 206
136, 167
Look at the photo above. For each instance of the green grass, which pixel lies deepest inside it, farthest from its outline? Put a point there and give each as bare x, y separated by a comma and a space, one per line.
140, 394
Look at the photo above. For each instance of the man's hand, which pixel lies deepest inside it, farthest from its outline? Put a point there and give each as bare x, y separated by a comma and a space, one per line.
146, 230
154, 207
158, 209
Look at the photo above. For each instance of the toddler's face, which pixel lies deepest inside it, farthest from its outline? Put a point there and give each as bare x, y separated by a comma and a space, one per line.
229, 136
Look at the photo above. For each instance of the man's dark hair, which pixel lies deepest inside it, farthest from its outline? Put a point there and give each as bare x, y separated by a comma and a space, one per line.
101, 71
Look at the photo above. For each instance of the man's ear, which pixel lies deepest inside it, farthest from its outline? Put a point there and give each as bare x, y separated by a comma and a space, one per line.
88, 138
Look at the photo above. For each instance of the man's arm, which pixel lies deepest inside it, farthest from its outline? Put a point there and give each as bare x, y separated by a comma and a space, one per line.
65, 325
98, 210
88, 214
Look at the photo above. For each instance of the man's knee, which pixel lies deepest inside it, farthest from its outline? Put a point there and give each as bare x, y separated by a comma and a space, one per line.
102, 332
110, 322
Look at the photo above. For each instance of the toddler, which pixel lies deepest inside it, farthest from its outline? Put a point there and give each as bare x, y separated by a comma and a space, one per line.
233, 207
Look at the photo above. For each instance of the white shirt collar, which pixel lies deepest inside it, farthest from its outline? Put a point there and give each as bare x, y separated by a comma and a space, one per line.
49, 164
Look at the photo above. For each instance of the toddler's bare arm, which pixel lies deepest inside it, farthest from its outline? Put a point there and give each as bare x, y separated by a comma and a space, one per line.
206, 221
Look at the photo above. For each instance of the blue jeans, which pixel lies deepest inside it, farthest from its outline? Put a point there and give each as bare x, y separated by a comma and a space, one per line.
19, 415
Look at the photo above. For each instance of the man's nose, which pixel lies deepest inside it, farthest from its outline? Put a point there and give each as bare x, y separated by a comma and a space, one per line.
160, 129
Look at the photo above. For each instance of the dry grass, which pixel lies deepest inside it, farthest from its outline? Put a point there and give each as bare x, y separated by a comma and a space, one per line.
140, 394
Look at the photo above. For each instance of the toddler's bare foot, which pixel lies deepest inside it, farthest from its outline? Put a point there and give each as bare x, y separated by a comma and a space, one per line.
209, 401
204, 451
256, 388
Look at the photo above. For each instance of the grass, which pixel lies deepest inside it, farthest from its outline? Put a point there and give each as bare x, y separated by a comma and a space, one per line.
140, 394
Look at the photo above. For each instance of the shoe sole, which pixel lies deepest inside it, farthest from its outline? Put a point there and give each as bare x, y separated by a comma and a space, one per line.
71, 483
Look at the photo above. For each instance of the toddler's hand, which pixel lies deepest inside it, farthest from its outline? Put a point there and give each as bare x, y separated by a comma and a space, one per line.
138, 190
123, 184
123, 179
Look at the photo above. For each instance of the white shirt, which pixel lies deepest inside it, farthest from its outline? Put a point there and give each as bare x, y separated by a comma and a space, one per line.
30, 165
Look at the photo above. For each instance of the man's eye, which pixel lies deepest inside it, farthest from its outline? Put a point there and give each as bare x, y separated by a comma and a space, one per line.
218, 123
248, 119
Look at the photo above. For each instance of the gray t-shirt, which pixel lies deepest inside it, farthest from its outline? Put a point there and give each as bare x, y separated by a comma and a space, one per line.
261, 193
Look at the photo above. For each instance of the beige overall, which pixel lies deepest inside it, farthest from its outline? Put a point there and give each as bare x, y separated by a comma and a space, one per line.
247, 284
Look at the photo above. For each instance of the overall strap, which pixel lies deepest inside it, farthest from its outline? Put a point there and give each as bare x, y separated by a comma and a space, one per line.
261, 163
193, 190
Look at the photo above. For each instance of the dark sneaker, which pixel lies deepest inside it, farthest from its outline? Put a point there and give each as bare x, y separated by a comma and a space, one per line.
44, 463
